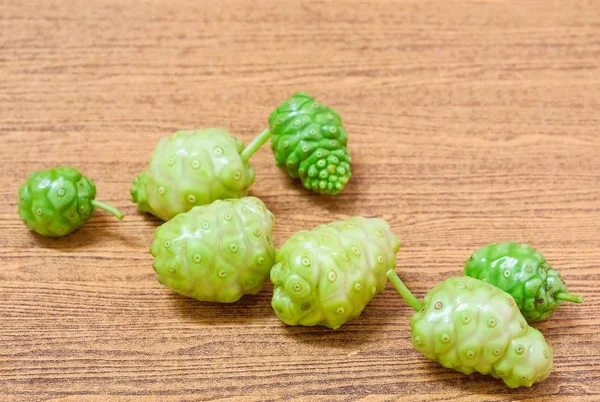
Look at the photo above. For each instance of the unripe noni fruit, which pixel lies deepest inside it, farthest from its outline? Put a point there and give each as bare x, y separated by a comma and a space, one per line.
55, 202
326, 276
468, 325
217, 252
525, 274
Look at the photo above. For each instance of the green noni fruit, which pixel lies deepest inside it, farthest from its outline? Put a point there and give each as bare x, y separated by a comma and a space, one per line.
524, 273
216, 252
55, 202
197, 167
192, 168
326, 276
309, 142
469, 325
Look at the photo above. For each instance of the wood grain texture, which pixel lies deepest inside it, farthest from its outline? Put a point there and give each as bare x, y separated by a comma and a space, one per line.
469, 122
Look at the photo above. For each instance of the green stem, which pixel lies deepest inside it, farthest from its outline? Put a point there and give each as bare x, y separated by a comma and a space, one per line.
569, 297
255, 145
108, 208
403, 290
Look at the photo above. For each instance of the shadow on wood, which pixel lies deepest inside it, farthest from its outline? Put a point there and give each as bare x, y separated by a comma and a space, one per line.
248, 308
94, 231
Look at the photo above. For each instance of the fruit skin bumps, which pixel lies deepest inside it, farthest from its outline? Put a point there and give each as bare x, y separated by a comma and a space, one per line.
216, 252
55, 202
328, 275
524, 273
192, 168
309, 143
469, 325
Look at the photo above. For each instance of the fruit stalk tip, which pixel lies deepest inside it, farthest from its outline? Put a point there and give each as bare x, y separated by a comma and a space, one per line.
108, 208
569, 297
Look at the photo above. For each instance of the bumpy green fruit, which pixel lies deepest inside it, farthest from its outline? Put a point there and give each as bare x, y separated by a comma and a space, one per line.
326, 276
216, 252
524, 273
309, 142
55, 202
469, 325
192, 168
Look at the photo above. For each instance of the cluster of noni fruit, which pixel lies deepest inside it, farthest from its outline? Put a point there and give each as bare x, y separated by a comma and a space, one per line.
217, 245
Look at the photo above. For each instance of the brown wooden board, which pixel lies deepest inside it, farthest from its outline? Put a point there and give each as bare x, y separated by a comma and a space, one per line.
469, 121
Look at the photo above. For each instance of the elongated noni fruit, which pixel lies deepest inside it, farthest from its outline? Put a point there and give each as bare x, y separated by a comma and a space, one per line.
469, 325
55, 202
216, 252
192, 168
524, 273
309, 142
327, 275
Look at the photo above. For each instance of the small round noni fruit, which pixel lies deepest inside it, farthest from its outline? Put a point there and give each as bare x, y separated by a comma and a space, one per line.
524, 273
55, 202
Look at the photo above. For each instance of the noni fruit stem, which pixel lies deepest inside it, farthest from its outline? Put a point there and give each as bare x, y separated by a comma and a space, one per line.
403, 290
569, 297
108, 208
255, 145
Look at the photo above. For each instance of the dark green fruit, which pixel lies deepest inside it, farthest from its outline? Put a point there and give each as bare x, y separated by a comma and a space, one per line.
55, 202
524, 273
309, 142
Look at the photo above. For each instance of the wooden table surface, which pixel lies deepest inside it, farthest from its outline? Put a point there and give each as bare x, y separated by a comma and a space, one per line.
469, 121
